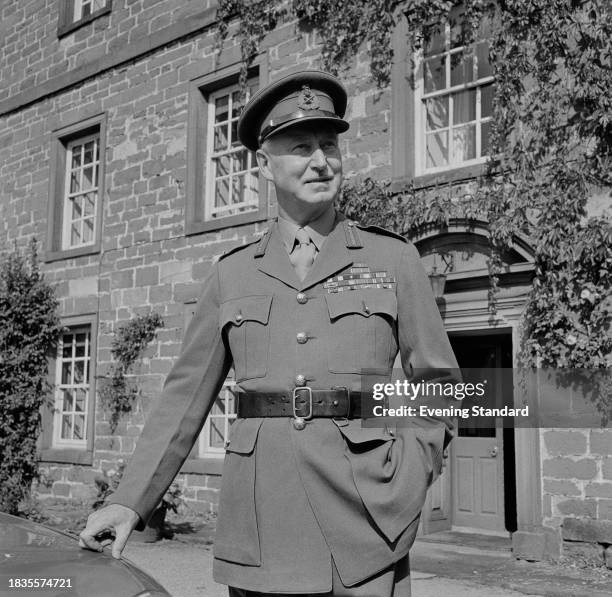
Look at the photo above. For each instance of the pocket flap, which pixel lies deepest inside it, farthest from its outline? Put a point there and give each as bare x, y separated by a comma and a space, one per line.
243, 435
356, 434
362, 302
246, 308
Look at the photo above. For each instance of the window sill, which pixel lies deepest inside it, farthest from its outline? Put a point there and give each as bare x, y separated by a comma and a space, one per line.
227, 222
70, 253
66, 28
67, 455
424, 181
203, 466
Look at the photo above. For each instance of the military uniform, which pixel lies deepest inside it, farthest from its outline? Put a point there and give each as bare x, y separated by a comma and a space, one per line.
306, 504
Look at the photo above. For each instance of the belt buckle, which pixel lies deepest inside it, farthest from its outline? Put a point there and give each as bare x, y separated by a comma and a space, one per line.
299, 420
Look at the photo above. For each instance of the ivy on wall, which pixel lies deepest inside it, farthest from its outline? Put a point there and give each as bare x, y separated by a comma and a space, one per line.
551, 142
117, 394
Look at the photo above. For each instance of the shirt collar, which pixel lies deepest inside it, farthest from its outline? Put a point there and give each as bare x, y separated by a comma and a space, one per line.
318, 229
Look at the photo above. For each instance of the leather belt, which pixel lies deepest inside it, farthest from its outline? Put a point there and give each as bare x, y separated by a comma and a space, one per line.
303, 402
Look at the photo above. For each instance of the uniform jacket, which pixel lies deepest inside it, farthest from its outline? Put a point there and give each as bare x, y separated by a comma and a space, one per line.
291, 498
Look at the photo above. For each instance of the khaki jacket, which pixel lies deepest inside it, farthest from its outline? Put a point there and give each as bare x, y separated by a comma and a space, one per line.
335, 487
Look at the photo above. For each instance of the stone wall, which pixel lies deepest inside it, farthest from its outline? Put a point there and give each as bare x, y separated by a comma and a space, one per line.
577, 489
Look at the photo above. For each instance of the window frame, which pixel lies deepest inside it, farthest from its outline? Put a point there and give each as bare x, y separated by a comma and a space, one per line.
58, 176
198, 141
71, 453
408, 136
205, 451
67, 24
420, 116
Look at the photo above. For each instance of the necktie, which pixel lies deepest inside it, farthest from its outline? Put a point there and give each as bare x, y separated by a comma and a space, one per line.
303, 254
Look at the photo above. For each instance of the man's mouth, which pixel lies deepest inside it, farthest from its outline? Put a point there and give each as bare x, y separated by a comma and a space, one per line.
321, 179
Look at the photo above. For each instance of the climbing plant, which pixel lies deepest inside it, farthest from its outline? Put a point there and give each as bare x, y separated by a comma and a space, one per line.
29, 333
117, 394
550, 144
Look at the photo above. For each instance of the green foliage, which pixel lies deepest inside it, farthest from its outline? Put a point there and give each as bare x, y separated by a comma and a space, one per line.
117, 394
29, 334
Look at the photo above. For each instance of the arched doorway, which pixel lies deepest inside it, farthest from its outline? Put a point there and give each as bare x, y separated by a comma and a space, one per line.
478, 488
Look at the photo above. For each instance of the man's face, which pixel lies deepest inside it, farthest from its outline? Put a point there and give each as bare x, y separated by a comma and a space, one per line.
305, 164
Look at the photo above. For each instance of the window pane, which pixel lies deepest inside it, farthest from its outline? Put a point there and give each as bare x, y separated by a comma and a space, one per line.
221, 108
79, 371
75, 234
77, 211
88, 230
437, 113
464, 106
485, 68
220, 137
435, 44
90, 204
222, 164
67, 405
235, 139
239, 161
67, 347
218, 407
66, 427
216, 439
66, 370
89, 152
74, 182
462, 68
88, 177
485, 138
437, 149
76, 156
464, 143
79, 427
238, 189
486, 100
236, 104
79, 403
434, 71
222, 192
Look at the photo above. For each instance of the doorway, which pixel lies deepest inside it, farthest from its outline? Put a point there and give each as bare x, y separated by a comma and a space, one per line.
483, 458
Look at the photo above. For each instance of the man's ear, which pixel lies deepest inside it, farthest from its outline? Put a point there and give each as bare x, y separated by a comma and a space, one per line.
263, 161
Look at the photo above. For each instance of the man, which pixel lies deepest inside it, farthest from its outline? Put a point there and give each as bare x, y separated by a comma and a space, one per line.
312, 501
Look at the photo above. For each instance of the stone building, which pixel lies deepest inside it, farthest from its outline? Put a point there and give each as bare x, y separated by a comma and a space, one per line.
118, 152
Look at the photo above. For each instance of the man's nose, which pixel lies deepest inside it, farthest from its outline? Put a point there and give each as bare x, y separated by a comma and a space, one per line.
318, 159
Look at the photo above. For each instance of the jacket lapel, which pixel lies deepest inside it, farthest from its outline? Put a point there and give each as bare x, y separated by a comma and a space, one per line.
275, 261
334, 257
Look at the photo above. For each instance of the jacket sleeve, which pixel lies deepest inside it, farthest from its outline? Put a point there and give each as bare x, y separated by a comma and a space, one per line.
175, 422
426, 355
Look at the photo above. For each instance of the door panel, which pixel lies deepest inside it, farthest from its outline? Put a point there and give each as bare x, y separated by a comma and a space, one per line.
477, 459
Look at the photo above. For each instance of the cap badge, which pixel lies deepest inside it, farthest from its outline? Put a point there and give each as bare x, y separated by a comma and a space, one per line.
307, 100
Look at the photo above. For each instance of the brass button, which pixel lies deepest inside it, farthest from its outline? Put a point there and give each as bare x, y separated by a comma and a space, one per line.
351, 223
238, 316
301, 298
299, 423
300, 380
301, 337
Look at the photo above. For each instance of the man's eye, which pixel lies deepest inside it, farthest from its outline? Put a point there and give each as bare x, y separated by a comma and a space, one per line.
302, 147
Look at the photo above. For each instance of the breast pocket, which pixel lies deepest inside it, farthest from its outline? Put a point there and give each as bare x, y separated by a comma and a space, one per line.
362, 334
245, 321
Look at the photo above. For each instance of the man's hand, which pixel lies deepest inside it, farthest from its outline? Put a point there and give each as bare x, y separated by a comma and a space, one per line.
110, 525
